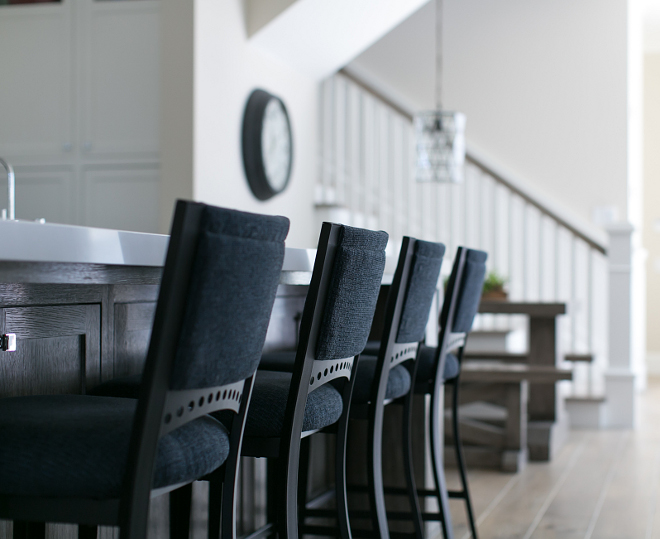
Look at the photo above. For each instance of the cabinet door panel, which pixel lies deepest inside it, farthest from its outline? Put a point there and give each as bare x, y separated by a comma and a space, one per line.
124, 199
121, 92
36, 82
44, 192
58, 350
133, 323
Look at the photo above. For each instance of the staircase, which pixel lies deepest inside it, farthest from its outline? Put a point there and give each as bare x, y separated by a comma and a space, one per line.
367, 179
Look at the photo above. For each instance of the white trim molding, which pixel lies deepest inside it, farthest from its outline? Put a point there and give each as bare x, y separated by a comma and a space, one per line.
626, 371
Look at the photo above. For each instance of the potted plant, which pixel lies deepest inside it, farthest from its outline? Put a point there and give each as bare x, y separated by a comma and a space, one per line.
494, 287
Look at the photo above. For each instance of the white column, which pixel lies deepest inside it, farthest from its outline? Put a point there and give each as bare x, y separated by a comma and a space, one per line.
626, 325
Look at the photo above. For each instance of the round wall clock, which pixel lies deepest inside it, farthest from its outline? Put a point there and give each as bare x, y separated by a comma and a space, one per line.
267, 144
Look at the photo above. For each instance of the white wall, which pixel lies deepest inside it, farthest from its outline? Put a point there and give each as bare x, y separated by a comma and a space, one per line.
651, 206
544, 86
225, 67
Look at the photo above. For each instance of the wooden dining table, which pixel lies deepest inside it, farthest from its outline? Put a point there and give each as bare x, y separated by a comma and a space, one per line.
548, 424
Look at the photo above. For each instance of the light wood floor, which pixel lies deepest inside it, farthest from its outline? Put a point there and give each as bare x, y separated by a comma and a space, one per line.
604, 484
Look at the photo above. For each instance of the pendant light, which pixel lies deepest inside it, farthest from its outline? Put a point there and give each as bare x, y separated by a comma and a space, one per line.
439, 134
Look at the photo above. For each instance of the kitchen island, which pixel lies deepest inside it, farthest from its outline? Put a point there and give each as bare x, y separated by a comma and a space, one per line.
81, 303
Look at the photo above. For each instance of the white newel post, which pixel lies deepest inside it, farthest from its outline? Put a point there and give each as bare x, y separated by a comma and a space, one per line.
626, 325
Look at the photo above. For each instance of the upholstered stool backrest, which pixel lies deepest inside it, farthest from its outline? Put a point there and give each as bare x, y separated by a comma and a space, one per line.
218, 287
359, 262
466, 283
232, 287
421, 287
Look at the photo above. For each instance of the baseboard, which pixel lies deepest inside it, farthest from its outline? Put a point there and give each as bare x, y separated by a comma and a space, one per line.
587, 412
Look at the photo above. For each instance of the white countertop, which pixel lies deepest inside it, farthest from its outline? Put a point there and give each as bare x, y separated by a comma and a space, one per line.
28, 241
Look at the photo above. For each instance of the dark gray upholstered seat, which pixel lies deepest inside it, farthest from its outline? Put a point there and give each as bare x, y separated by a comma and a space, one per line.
266, 412
425, 367
398, 381
77, 446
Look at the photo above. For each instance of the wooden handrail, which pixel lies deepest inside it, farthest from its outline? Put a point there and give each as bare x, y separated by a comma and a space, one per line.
471, 158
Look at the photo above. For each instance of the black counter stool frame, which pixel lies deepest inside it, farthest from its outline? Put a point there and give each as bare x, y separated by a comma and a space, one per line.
335, 324
439, 366
97, 460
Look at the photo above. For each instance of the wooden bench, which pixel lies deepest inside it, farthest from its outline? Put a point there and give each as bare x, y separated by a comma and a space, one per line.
493, 411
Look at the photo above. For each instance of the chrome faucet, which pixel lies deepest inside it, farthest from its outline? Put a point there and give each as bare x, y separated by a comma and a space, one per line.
11, 188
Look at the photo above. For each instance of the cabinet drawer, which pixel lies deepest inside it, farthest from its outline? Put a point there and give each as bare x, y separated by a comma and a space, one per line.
58, 349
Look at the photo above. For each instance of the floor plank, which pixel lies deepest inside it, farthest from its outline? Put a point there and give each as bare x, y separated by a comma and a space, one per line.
604, 484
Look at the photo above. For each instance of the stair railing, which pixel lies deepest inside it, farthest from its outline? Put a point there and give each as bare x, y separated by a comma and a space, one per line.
367, 179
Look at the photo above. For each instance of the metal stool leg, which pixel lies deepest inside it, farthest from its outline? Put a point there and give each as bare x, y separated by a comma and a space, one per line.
437, 443
180, 500
408, 465
460, 459
29, 530
303, 478
87, 532
375, 473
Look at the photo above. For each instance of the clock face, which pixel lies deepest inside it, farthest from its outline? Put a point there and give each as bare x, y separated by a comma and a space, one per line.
276, 145
267, 144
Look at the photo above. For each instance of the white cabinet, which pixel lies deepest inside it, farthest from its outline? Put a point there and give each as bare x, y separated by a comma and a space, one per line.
80, 92
113, 195
36, 80
120, 77
46, 192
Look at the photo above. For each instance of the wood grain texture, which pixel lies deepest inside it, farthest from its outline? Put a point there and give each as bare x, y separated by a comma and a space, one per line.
539, 309
602, 485
64, 273
20, 294
58, 348
133, 323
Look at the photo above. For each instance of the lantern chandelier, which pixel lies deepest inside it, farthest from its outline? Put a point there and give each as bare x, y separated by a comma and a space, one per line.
439, 134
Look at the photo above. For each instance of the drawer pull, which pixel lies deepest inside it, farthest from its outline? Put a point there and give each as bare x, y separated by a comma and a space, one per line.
8, 342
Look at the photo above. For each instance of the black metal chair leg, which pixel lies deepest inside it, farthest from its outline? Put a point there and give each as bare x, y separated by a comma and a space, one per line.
409, 468
460, 459
341, 495
180, 500
288, 492
216, 492
29, 530
437, 442
87, 532
272, 475
303, 476
375, 472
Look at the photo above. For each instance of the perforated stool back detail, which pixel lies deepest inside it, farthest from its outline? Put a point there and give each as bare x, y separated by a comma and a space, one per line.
104, 456
334, 328
459, 308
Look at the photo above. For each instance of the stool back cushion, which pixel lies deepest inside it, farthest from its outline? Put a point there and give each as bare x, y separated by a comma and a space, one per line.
422, 283
471, 286
351, 301
232, 288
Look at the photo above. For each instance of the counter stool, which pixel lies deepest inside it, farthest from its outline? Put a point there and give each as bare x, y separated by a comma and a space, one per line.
289, 406
98, 460
386, 377
438, 366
